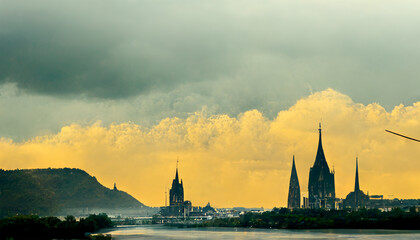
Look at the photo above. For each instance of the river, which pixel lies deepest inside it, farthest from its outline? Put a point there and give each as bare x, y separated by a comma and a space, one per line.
163, 232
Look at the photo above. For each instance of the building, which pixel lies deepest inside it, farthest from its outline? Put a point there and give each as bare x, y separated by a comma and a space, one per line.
321, 186
357, 198
293, 200
177, 206
176, 194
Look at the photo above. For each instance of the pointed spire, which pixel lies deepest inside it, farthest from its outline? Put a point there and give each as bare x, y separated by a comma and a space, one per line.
294, 167
294, 188
176, 174
320, 156
320, 130
356, 184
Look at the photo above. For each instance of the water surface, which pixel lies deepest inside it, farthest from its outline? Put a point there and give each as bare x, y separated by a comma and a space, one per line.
164, 232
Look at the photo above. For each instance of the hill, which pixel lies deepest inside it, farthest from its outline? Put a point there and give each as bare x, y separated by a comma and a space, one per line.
52, 191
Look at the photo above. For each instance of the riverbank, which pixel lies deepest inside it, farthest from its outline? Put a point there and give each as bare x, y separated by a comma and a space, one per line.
35, 227
315, 219
318, 219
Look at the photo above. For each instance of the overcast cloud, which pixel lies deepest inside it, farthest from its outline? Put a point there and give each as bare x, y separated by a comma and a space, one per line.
116, 61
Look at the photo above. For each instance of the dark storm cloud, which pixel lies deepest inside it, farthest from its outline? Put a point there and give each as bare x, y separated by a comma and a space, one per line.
101, 48
110, 49
82, 61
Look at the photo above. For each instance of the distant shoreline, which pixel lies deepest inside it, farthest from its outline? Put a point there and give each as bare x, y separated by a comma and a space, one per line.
317, 219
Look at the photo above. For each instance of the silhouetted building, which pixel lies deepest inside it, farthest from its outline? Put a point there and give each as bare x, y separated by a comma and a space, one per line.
208, 209
176, 194
357, 198
293, 200
177, 206
321, 184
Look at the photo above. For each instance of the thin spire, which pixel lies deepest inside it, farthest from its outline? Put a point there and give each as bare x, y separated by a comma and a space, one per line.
320, 140
294, 172
320, 156
176, 174
293, 200
356, 184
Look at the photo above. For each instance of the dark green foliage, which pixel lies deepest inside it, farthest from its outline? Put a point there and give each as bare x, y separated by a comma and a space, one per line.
322, 219
99, 221
100, 237
34, 227
46, 191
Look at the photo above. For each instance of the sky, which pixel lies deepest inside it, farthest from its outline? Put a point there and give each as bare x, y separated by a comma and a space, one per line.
232, 88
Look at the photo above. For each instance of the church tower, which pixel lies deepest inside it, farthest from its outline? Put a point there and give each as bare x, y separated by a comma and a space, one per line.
293, 200
356, 185
176, 194
321, 186
357, 198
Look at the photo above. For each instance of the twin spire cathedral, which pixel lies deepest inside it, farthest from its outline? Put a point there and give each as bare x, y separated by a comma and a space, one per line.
321, 186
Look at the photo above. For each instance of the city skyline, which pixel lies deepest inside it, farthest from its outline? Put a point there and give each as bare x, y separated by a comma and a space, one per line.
234, 89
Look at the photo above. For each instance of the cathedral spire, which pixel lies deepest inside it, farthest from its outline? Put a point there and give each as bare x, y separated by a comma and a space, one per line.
176, 174
293, 166
294, 188
320, 140
356, 184
321, 185
357, 198
320, 156
176, 193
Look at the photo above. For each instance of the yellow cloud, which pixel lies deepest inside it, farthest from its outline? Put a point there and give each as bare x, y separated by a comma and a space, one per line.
243, 161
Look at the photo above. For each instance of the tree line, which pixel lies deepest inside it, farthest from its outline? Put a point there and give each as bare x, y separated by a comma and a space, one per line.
322, 219
35, 227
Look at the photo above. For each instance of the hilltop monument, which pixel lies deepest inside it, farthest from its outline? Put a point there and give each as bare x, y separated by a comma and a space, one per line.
321, 186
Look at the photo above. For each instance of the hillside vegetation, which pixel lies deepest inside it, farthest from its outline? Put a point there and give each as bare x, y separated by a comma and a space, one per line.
49, 191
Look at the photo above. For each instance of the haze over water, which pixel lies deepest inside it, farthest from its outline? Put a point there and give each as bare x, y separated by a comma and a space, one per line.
163, 232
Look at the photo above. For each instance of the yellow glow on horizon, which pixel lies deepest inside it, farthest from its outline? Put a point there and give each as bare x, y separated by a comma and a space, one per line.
243, 161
